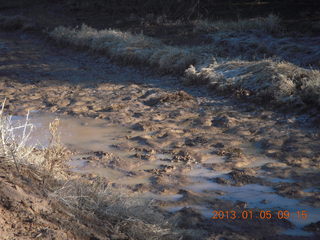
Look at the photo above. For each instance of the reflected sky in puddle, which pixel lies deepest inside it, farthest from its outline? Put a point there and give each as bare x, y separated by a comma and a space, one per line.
84, 134
255, 195
97, 135
262, 197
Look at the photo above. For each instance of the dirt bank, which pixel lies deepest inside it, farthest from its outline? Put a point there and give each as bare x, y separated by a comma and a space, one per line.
28, 213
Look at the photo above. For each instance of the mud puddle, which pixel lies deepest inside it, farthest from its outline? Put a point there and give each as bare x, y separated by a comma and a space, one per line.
103, 149
91, 138
83, 134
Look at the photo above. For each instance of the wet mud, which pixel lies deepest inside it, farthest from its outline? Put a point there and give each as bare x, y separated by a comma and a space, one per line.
190, 151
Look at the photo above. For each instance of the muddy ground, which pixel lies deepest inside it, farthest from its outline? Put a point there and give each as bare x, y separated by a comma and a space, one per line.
187, 128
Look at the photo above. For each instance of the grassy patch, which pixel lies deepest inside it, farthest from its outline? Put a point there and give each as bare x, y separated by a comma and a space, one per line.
127, 48
266, 80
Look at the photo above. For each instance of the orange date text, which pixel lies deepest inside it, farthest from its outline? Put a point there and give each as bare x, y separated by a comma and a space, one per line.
261, 214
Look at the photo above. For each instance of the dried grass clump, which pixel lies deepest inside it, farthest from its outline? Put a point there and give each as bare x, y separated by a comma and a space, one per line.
126, 47
302, 51
266, 80
55, 155
128, 214
270, 24
14, 148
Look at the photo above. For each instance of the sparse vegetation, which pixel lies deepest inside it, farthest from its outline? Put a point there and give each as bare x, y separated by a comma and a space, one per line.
15, 149
126, 47
134, 216
266, 80
170, 143
130, 214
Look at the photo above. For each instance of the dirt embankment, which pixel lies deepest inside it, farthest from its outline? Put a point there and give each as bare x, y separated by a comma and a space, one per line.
28, 213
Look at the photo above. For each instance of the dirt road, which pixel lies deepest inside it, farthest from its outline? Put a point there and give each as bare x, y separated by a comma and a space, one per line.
206, 152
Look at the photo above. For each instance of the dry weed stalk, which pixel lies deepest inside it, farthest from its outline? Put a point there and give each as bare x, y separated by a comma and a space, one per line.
13, 147
55, 153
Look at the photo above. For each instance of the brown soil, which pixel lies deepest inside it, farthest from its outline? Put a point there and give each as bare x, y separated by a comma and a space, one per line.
27, 212
164, 117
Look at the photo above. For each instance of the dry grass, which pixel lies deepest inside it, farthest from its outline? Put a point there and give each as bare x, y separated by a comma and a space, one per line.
266, 80
270, 24
252, 46
128, 214
15, 149
127, 48
276, 81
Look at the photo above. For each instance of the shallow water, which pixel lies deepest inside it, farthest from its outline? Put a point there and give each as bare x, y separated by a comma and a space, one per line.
256, 196
87, 135
84, 134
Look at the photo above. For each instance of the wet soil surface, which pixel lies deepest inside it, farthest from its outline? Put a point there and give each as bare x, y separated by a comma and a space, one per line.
190, 150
